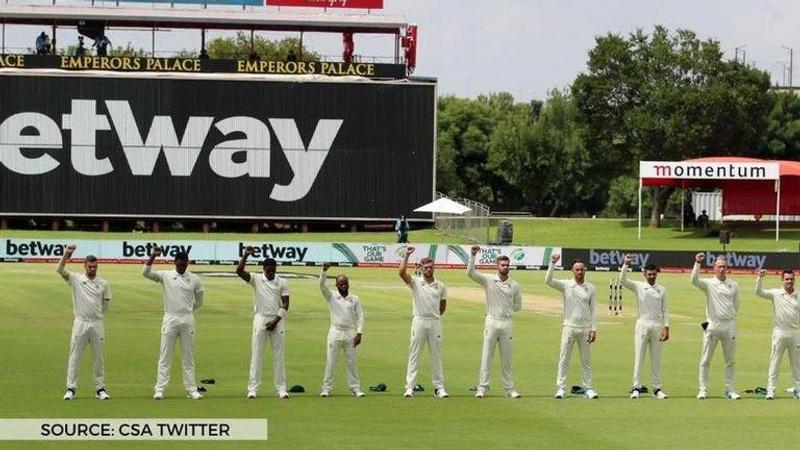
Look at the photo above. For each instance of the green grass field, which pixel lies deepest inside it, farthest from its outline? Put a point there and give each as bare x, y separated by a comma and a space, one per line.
36, 316
569, 233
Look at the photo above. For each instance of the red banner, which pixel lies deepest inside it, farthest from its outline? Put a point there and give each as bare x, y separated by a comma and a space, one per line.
361, 4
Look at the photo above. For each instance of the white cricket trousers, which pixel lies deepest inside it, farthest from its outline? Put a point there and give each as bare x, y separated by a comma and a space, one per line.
647, 335
176, 326
784, 341
724, 332
86, 332
340, 339
277, 339
497, 333
422, 331
569, 337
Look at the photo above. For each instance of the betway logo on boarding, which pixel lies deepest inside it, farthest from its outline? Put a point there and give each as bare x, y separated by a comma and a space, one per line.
277, 252
33, 248
181, 153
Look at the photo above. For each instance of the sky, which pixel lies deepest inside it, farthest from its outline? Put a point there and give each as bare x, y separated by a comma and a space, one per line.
527, 48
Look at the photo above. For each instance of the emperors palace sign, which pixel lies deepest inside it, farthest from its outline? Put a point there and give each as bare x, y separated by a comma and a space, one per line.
197, 65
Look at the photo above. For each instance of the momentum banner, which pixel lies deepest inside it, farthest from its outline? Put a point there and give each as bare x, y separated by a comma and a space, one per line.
686, 170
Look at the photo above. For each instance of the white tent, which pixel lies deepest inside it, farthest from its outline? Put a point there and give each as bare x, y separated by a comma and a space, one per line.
443, 206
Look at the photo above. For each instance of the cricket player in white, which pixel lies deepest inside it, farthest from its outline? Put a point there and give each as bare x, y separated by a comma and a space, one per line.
580, 323
270, 303
785, 331
429, 298
347, 325
90, 297
722, 303
652, 325
183, 295
503, 299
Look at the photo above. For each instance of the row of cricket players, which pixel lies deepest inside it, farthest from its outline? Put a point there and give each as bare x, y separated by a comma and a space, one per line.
182, 293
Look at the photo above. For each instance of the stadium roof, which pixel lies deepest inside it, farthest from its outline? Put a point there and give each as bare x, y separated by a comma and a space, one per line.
216, 18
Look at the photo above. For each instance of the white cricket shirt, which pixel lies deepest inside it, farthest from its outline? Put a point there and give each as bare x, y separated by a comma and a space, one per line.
651, 300
580, 301
722, 297
503, 298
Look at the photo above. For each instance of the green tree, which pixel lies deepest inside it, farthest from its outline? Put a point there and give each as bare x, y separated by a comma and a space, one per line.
782, 135
238, 47
667, 96
465, 133
128, 50
544, 159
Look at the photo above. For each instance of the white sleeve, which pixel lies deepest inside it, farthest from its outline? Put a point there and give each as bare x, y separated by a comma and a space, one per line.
473, 274
199, 294
359, 317
623, 279
284, 288
760, 290
700, 284
550, 281
518, 299
151, 274
323, 288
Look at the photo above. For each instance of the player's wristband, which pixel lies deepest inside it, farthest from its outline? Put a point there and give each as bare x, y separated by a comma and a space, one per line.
281, 313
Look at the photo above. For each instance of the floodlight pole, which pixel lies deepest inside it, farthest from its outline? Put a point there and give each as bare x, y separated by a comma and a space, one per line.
791, 61
640, 207
778, 209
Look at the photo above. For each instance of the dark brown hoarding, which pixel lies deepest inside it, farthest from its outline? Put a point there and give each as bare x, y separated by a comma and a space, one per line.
168, 146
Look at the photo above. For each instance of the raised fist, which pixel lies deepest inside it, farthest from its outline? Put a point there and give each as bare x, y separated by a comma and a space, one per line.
475, 249
762, 273
409, 249
70, 250
698, 258
156, 251
326, 266
627, 259
554, 258
249, 250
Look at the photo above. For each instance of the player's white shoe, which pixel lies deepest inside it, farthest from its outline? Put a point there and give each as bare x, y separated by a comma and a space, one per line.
513, 394
252, 394
102, 394
358, 394
702, 394
591, 394
408, 393
660, 395
283, 394
560, 393
440, 393
158, 395
770, 394
325, 394
635, 393
69, 395
480, 394
194, 395
732, 395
